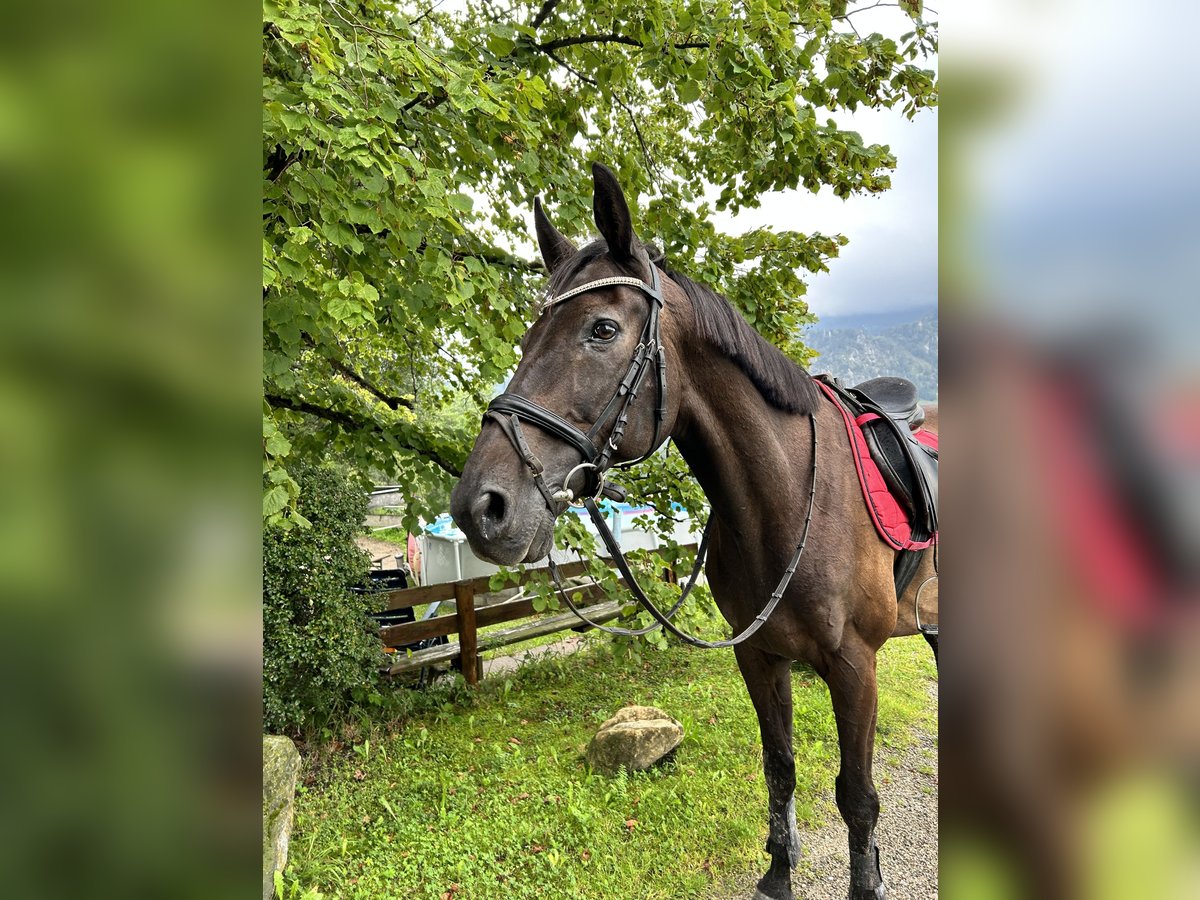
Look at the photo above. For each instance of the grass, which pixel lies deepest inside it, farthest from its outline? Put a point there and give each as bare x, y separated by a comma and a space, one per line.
486, 795
397, 536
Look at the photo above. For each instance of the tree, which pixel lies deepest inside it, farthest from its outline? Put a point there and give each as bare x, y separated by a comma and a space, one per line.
403, 147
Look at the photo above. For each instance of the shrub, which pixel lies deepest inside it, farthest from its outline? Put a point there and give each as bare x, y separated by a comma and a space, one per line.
318, 651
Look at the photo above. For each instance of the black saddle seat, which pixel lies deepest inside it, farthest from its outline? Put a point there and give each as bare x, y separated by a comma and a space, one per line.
895, 396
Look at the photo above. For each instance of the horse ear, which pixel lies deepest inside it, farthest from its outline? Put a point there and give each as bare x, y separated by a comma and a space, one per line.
612, 213
554, 245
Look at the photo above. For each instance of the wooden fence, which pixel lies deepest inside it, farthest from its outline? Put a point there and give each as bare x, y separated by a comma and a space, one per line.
469, 617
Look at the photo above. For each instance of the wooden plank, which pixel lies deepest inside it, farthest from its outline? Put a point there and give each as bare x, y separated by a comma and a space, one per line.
419, 659
443, 626
464, 604
411, 632
407, 597
523, 609
600, 612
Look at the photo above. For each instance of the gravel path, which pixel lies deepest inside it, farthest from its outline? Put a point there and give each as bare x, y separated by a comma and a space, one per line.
907, 835
378, 548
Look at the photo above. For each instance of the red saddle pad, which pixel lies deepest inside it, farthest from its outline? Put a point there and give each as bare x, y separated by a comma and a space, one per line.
890, 518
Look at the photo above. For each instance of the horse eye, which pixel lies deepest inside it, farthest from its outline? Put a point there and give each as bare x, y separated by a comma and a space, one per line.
604, 330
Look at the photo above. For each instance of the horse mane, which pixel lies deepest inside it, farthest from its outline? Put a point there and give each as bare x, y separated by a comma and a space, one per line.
782, 383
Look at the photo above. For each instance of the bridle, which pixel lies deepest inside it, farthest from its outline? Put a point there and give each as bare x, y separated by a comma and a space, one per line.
508, 409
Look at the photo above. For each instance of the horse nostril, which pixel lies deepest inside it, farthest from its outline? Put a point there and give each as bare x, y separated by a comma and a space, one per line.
490, 508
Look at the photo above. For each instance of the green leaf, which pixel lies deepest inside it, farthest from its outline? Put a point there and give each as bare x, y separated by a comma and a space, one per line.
344, 309
689, 91
501, 46
275, 500
461, 202
277, 445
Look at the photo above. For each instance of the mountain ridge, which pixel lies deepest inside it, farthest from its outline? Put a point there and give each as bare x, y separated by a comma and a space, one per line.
875, 344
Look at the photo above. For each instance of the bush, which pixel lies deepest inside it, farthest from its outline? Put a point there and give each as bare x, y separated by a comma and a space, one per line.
318, 651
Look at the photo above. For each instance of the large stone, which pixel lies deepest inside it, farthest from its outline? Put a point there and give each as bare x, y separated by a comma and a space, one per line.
281, 765
635, 739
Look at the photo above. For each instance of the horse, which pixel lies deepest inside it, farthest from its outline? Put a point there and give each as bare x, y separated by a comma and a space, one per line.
764, 445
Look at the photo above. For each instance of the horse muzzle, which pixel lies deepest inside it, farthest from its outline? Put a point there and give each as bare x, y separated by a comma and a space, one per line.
503, 526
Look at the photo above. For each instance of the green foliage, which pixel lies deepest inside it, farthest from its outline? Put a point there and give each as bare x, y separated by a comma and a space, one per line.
402, 147
317, 651
493, 795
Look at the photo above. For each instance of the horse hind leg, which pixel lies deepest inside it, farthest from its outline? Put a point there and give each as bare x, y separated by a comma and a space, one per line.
852, 687
769, 682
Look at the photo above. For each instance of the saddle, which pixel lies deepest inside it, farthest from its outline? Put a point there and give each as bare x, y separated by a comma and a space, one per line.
887, 411
895, 396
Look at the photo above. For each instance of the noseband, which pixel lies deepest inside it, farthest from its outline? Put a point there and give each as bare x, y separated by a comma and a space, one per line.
509, 410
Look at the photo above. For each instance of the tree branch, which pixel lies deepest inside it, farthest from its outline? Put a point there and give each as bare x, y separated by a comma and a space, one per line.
904, 6
544, 13
388, 400
427, 12
611, 39
430, 101
338, 417
497, 258
351, 422
566, 65
651, 166
280, 161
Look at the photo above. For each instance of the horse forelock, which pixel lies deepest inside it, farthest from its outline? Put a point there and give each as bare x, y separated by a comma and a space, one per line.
569, 271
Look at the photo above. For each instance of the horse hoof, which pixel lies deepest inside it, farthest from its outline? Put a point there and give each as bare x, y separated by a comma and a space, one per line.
780, 891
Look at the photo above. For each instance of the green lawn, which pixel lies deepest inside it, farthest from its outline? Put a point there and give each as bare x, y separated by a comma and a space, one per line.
487, 796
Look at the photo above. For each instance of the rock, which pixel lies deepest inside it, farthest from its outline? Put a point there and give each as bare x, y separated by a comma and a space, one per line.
635, 738
281, 765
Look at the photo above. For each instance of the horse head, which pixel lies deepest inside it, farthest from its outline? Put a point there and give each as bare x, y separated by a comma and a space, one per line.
591, 389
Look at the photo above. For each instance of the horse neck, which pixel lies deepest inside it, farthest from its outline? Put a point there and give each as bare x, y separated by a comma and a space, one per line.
744, 452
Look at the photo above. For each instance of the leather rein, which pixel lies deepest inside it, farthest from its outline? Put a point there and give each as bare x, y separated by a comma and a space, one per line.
508, 409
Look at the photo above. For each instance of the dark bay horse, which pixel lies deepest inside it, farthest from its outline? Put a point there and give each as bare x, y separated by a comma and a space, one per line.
743, 416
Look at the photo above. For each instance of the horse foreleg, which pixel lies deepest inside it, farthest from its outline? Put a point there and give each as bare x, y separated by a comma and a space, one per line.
851, 679
768, 679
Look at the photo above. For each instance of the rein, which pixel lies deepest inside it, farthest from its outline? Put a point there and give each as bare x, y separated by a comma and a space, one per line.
662, 619
508, 409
